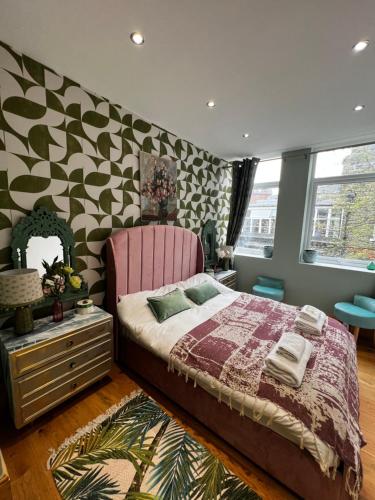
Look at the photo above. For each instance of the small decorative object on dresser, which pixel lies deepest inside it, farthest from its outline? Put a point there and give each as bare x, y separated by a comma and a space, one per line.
19, 288
85, 306
55, 362
227, 278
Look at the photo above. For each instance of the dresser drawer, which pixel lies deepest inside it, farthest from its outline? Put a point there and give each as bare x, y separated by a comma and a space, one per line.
58, 392
39, 380
26, 360
227, 278
229, 282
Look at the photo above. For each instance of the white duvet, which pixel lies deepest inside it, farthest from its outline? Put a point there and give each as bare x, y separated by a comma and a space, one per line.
159, 338
141, 325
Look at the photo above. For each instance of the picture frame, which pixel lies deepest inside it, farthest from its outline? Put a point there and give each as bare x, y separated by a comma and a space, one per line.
158, 188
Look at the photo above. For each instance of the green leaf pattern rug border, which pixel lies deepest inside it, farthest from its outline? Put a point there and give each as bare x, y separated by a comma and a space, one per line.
135, 451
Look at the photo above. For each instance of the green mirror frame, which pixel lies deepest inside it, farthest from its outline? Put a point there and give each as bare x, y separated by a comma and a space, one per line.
41, 222
209, 243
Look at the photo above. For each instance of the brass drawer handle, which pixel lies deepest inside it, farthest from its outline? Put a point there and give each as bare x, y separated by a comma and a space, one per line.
69, 343
72, 365
74, 386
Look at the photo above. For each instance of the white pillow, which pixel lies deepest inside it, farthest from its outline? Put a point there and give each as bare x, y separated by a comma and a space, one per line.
195, 280
135, 305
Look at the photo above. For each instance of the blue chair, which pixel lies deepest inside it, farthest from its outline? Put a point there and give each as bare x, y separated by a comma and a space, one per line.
360, 314
269, 288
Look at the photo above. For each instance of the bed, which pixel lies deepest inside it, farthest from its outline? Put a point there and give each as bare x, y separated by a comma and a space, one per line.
152, 259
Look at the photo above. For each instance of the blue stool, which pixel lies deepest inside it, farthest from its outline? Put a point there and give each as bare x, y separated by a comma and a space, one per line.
269, 288
360, 314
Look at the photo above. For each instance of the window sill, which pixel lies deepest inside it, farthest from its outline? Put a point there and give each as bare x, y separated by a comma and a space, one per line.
252, 256
336, 266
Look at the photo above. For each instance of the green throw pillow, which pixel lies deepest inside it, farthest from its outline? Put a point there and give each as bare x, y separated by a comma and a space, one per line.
168, 305
201, 293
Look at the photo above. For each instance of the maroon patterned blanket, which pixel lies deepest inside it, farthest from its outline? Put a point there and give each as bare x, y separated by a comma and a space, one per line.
232, 345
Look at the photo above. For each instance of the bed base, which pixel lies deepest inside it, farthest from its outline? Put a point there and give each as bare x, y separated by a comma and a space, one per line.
283, 460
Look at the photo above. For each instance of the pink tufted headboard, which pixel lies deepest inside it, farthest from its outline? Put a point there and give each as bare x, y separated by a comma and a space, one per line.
148, 257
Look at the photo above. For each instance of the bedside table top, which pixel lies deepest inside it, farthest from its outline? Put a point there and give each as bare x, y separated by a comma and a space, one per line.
45, 329
224, 274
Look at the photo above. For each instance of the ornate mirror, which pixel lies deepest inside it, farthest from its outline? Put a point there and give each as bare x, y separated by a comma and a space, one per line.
49, 248
41, 236
209, 243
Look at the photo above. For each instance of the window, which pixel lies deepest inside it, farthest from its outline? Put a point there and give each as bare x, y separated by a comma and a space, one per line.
260, 220
341, 220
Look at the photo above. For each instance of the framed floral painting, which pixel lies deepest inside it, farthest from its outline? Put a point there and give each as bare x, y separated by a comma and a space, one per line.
158, 178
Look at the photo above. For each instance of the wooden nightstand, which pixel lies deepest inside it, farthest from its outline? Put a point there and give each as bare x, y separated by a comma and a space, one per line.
55, 361
227, 278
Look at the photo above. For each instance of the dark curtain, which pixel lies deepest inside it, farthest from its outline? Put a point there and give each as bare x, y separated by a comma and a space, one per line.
243, 174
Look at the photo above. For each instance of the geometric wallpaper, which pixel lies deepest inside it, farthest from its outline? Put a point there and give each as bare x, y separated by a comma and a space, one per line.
75, 152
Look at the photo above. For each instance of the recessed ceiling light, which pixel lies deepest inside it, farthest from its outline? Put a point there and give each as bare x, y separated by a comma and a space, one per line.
211, 104
359, 107
137, 38
245, 135
361, 45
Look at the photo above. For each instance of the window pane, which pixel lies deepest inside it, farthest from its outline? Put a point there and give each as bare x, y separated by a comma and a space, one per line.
348, 161
254, 225
259, 226
268, 171
264, 226
344, 221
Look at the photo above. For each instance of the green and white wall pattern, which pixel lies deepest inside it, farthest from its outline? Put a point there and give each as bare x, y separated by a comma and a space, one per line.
66, 148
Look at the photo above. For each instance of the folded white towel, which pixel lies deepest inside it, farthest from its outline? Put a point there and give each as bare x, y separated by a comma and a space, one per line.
291, 346
312, 327
284, 370
310, 313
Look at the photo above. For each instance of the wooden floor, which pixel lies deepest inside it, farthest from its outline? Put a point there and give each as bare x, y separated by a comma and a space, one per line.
26, 451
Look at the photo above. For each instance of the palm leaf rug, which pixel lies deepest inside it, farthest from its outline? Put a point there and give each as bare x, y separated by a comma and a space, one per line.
137, 452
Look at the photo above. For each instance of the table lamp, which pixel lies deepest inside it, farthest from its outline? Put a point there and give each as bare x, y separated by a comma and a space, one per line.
19, 288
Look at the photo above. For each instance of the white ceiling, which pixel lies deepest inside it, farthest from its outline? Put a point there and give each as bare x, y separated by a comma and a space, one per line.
281, 70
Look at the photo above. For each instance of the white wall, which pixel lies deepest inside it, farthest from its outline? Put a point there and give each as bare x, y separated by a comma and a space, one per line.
320, 286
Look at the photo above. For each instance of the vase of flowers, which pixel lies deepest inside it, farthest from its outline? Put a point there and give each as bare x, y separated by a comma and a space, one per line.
225, 256
159, 189
57, 279
57, 310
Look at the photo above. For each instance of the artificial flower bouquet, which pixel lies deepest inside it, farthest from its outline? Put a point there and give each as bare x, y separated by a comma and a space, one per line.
60, 278
159, 189
225, 256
